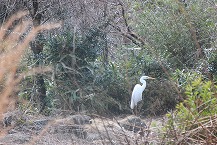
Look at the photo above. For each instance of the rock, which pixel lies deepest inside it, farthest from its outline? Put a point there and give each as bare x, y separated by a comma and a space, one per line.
39, 124
71, 125
10, 118
14, 117
81, 119
133, 123
7, 120
76, 119
77, 130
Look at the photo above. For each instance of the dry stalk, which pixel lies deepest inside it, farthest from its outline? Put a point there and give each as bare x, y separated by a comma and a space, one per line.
204, 133
12, 48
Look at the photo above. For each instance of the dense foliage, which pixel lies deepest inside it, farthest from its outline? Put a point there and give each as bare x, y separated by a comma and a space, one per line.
71, 56
179, 40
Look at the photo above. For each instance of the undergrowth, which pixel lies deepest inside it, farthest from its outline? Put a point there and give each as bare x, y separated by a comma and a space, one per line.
195, 120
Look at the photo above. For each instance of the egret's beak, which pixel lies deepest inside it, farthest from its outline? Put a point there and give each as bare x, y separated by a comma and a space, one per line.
151, 78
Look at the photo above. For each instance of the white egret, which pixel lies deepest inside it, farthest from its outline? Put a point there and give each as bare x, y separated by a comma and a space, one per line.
137, 92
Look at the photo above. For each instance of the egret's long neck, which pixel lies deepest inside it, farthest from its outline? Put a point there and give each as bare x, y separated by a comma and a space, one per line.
143, 84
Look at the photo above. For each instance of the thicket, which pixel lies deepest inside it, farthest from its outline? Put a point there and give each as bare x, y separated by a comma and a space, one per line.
178, 37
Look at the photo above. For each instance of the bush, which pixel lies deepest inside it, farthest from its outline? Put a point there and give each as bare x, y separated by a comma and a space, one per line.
200, 101
115, 88
194, 120
159, 97
71, 56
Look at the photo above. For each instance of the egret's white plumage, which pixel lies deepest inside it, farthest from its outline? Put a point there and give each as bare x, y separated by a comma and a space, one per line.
137, 91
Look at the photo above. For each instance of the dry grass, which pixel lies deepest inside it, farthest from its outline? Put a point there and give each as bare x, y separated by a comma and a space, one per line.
199, 132
204, 133
14, 41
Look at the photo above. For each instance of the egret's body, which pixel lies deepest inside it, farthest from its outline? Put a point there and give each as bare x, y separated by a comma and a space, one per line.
137, 91
137, 94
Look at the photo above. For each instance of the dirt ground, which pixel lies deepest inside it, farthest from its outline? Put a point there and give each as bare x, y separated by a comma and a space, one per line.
78, 129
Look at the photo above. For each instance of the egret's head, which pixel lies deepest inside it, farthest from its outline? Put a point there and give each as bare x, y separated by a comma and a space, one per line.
145, 78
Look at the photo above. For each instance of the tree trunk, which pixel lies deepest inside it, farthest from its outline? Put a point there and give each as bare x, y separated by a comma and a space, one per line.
105, 49
37, 48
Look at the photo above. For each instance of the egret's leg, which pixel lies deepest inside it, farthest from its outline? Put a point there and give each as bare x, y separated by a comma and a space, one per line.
133, 111
136, 111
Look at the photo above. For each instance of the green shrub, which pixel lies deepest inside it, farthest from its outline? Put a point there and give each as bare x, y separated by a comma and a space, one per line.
200, 102
115, 88
194, 119
71, 56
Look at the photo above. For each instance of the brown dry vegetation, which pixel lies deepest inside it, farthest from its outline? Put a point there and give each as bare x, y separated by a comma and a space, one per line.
14, 41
